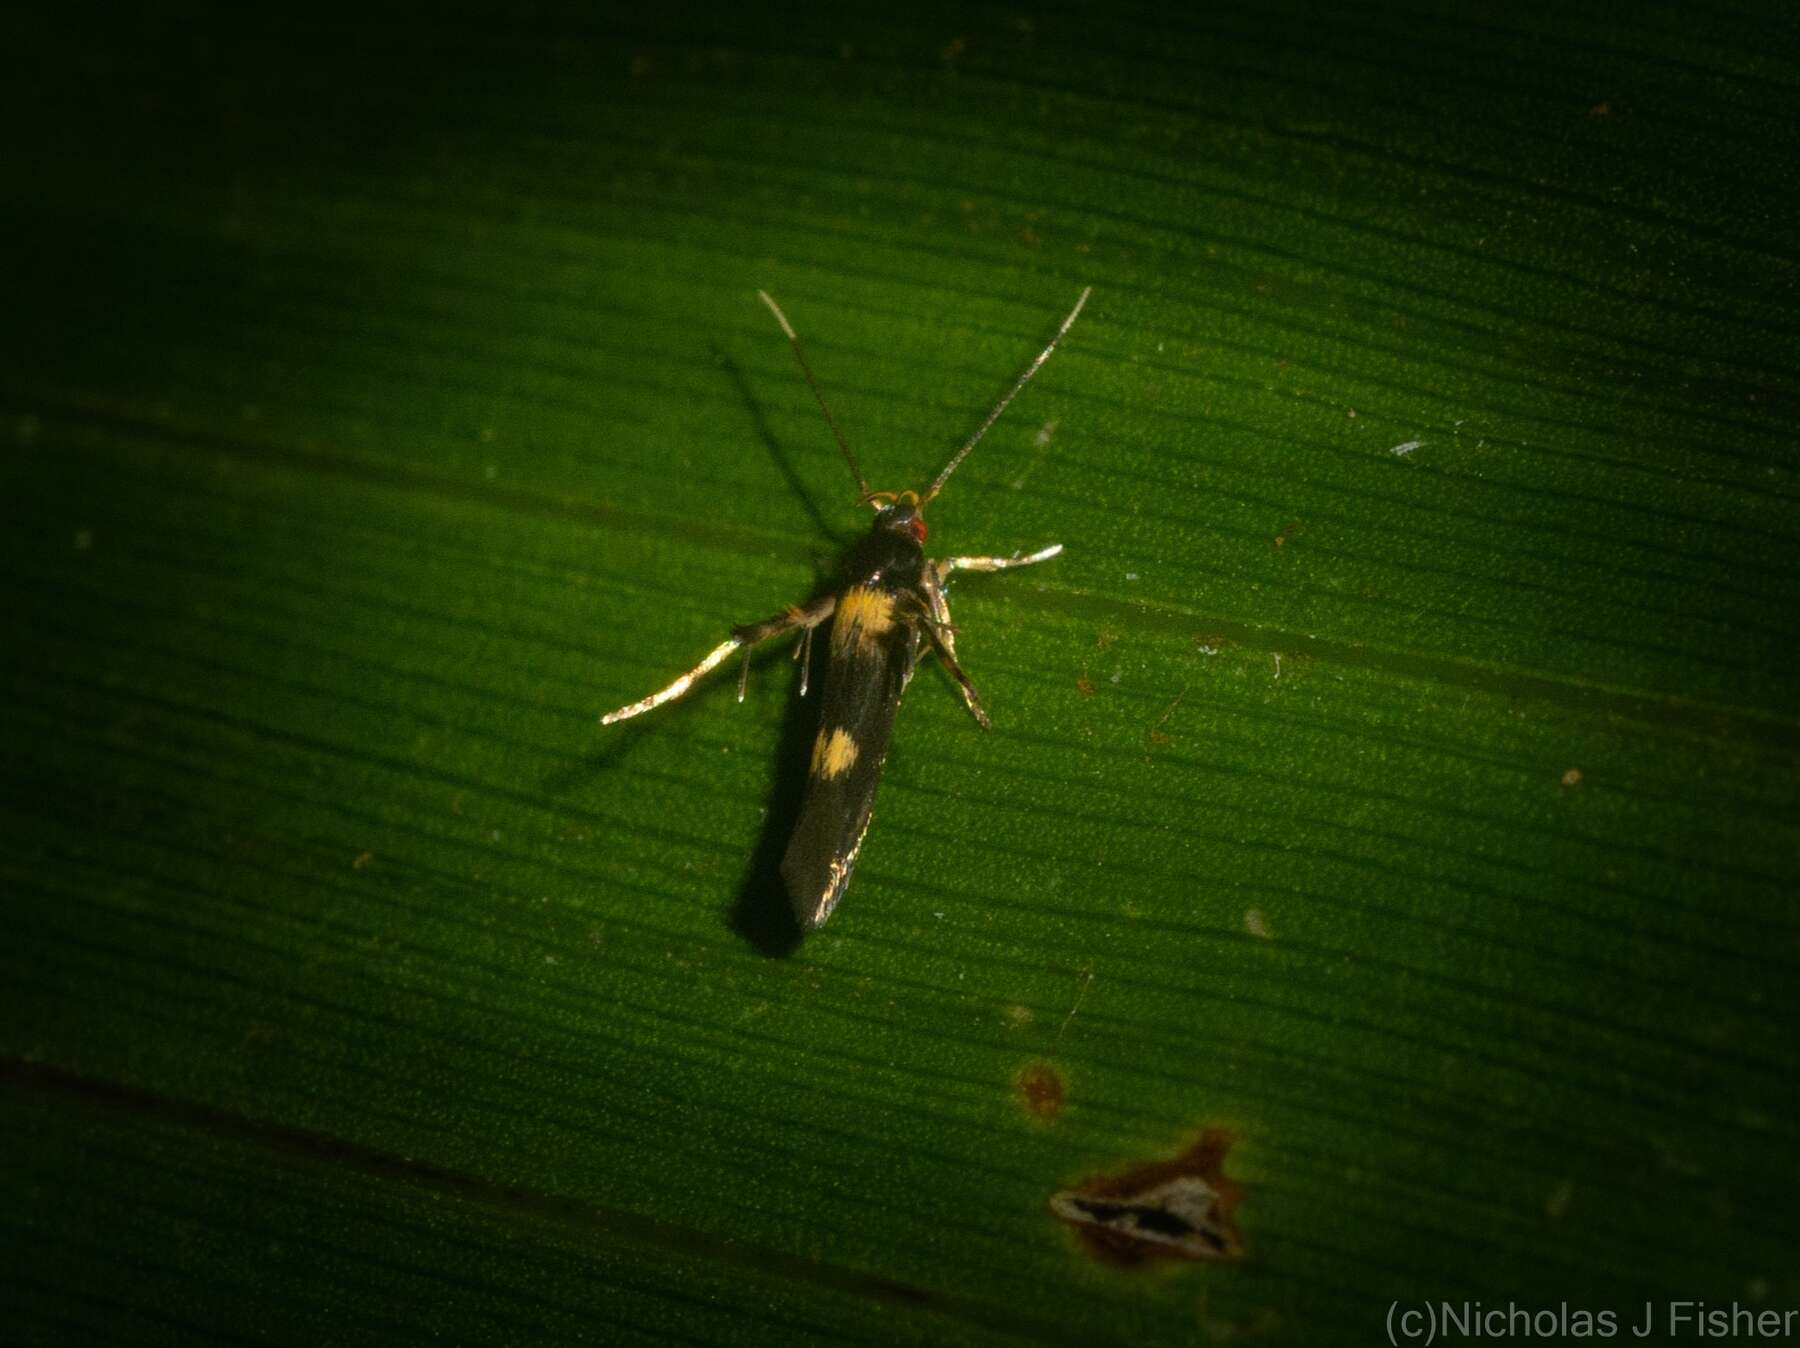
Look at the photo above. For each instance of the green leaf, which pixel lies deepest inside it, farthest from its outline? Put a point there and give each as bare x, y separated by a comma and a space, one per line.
1396, 770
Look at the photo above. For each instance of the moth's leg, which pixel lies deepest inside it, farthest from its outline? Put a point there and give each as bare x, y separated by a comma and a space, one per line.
935, 611
936, 620
794, 615
789, 618
935, 623
745, 637
803, 654
714, 658
937, 605
947, 565
940, 642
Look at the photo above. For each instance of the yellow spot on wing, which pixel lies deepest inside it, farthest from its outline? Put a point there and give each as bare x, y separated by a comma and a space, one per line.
864, 616
834, 753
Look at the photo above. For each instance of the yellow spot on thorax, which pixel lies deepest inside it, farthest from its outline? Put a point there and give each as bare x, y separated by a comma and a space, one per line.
864, 616
834, 753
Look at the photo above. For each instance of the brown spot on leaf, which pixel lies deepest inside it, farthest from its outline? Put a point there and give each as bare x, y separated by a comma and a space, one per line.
1084, 686
1157, 734
1572, 777
1177, 1209
1042, 1090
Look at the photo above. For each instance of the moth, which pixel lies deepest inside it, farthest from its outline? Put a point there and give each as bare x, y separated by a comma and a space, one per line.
888, 605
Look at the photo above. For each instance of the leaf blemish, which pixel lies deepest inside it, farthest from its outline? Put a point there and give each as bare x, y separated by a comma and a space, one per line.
1177, 1209
1042, 1090
1157, 734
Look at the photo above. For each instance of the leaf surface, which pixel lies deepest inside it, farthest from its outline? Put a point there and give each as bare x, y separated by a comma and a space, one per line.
1396, 770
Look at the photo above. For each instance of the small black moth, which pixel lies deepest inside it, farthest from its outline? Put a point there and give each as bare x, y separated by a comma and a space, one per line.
889, 602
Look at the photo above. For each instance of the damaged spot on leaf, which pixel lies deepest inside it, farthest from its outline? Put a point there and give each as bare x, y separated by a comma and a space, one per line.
1179, 1209
1042, 1089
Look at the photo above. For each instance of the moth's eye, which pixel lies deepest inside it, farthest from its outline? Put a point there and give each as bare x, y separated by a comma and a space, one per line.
918, 528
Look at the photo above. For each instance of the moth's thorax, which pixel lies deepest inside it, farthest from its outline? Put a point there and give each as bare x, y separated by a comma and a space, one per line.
890, 554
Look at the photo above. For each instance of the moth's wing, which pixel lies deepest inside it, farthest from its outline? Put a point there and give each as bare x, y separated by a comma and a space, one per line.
862, 694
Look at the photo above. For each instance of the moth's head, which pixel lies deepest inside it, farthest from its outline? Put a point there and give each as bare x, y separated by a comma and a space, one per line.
898, 513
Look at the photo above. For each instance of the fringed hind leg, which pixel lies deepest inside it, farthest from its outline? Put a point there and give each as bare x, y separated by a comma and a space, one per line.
750, 634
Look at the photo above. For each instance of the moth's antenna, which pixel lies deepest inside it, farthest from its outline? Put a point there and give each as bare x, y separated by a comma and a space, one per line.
1024, 379
862, 483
